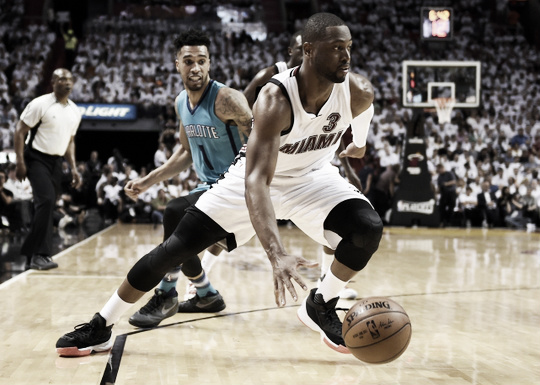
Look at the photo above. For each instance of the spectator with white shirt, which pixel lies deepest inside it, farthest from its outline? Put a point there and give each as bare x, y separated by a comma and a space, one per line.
498, 179
467, 205
110, 199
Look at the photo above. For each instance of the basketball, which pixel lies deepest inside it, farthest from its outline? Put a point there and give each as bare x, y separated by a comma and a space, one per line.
376, 330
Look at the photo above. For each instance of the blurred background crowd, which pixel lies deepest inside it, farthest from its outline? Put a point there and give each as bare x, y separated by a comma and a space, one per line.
126, 56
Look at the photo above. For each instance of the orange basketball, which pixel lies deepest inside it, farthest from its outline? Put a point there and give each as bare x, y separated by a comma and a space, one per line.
376, 330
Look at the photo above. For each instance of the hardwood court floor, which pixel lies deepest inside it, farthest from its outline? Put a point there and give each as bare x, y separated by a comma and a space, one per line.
472, 296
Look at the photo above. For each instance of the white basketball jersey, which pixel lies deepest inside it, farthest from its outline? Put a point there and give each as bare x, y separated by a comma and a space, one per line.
281, 66
312, 140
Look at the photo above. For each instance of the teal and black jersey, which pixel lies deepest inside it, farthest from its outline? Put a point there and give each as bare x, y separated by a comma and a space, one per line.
213, 143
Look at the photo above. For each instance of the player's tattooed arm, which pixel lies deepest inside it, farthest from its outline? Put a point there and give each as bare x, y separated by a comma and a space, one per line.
232, 106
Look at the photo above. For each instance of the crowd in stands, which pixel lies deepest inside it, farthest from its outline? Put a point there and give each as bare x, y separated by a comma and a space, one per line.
101, 198
493, 152
23, 55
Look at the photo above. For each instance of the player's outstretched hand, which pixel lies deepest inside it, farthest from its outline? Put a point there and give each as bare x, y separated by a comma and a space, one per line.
285, 271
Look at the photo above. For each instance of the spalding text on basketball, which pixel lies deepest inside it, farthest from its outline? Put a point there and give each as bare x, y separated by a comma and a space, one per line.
369, 306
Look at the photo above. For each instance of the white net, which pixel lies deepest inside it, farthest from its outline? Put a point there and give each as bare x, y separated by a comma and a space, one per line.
444, 107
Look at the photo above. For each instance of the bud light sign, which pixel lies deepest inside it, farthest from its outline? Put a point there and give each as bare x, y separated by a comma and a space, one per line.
92, 111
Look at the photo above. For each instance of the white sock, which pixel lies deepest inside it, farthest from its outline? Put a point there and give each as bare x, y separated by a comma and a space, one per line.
330, 286
208, 261
114, 308
326, 261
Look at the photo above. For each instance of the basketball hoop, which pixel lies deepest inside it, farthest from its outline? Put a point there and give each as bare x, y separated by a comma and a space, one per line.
444, 107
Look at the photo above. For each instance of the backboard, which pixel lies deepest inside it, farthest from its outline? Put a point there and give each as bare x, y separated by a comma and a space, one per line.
424, 81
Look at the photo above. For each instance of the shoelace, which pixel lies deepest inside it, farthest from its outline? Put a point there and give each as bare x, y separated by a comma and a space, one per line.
153, 304
335, 323
81, 329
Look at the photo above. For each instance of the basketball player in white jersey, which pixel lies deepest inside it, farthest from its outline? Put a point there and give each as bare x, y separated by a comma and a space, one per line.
261, 78
252, 91
285, 173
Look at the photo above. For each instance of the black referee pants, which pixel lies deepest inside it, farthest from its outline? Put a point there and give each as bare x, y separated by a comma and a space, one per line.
44, 173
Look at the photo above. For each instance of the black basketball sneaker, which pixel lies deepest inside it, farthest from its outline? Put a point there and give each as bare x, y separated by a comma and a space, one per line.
321, 317
162, 305
211, 303
86, 338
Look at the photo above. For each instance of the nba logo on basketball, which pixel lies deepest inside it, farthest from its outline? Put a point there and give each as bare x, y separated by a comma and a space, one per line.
373, 329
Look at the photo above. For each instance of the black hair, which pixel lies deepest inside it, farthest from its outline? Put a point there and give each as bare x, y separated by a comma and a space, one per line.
168, 138
191, 37
315, 28
292, 42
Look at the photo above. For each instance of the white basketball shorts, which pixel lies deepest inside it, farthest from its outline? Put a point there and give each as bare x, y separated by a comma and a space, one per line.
305, 200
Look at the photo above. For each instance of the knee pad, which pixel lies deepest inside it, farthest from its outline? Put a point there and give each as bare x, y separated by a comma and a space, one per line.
361, 242
369, 232
150, 269
195, 233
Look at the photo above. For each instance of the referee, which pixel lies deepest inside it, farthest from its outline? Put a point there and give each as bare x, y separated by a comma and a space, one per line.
44, 135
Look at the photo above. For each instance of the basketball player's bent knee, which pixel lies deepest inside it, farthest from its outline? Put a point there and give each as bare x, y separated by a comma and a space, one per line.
194, 233
362, 240
151, 268
368, 235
